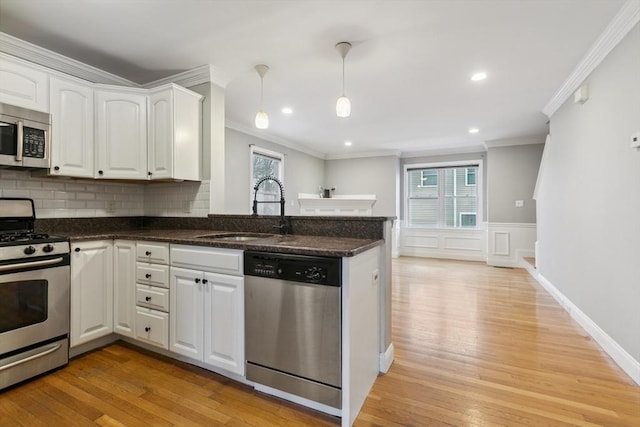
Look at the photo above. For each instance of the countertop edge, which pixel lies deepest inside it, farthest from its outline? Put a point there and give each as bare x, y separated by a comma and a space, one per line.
259, 245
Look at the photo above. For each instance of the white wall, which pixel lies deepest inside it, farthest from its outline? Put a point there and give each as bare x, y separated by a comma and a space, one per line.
367, 175
302, 173
589, 201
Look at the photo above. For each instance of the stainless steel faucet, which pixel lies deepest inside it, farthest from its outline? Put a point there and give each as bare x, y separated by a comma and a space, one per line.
283, 226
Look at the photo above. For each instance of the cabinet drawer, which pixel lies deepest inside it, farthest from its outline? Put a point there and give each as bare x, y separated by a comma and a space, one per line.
152, 327
152, 274
152, 297
216, 260
154, 252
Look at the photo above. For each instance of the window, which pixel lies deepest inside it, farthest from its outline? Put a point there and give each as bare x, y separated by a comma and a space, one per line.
442, 196
429, 178
470, 176
266, 163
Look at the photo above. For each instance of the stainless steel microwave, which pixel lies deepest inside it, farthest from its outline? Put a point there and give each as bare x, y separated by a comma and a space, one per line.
24, 137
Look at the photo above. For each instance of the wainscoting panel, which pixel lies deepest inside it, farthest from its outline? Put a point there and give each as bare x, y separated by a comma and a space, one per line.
448, 243
509, 243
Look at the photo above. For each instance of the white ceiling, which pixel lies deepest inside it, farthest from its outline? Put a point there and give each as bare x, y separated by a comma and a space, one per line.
407, 74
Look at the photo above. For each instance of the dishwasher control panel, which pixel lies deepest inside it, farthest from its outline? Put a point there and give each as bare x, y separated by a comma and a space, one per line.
298, 268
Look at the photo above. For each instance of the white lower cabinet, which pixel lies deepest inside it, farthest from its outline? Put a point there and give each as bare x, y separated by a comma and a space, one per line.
152, 326
91, 290
124, 292
207, 311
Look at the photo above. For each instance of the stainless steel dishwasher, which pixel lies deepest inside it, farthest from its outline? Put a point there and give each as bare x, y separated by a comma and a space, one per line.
293, 324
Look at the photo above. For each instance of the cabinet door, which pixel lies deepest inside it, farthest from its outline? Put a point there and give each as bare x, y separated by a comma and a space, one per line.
91, 290
160, 148
23, 86
224, 322
124, 287
186, 308
121, 135
72, 128
187, 144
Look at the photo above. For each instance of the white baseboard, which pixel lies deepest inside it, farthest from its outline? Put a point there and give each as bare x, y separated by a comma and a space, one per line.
386, 359
608, 344
92, 345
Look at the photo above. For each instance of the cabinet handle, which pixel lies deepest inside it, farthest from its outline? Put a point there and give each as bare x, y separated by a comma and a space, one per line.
148, 253
147, 329
149, 173
148, 276
56, 168
197, 280
77, 249
204, 281
147, 299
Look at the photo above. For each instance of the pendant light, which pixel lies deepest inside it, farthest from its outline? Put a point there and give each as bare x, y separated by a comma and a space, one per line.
262, 119
343, 105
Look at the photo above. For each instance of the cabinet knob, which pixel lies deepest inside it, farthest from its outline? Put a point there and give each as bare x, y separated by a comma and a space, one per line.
197, 280
77, 249
147, 299
56, 168
204, 281
148, 253
148, 276
149, 173
147, 328
100, 173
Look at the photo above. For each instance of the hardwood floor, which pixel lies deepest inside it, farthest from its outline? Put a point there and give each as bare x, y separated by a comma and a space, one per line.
475, 346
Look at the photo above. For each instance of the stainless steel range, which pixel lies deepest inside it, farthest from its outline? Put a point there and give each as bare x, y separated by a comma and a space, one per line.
34, 295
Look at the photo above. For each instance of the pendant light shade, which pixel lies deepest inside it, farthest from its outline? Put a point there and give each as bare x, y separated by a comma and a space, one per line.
262, 119
343, 105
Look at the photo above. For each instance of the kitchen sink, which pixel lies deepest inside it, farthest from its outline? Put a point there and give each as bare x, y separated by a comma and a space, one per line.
235, 237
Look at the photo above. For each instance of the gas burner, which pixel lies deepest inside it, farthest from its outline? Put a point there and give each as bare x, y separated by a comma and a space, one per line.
23, 237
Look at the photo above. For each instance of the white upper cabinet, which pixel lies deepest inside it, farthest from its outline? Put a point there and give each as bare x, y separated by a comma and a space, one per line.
72, 130
22, 85
121, 133
174, 133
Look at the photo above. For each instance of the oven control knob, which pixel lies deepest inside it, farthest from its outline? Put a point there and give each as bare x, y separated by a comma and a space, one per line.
313, 273
48, 248
29, 250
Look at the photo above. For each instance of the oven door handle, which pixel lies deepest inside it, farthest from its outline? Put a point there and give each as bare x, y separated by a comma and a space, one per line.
10, 267
55, 347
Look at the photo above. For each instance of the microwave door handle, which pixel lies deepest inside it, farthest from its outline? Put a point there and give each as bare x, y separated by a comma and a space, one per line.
47, 146
20, 145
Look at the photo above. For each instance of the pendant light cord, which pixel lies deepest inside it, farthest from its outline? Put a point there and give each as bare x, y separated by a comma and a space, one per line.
343, 76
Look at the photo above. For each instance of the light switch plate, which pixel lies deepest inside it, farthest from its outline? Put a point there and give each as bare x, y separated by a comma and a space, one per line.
519, 203
111, 206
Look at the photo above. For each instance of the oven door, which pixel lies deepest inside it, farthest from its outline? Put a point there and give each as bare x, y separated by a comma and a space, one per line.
34, 302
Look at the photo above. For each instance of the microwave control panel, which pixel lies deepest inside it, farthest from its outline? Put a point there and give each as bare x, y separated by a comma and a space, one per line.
34, 143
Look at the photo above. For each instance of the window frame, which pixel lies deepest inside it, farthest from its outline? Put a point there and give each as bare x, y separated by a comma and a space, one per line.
453, 164
422, 179
255, 150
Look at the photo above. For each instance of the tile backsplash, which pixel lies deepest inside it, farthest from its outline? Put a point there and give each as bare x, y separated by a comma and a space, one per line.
74, 198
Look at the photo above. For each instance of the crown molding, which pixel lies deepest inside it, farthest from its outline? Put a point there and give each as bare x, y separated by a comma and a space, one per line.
38, 55
202, 74
363, 154
280, 141
618, 28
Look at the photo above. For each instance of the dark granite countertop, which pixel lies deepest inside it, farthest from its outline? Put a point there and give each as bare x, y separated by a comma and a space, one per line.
291, 244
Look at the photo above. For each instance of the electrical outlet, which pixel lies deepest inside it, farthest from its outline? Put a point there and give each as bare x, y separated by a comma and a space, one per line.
519, 203
187, 206
111, 206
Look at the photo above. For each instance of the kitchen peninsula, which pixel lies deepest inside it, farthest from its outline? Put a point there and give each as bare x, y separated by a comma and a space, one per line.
155, 261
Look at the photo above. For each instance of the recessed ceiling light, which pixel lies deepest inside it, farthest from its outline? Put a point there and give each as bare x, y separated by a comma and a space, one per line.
478, 76
348, 143
474, 130
287, 110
